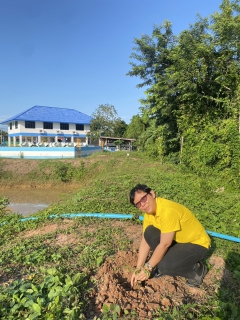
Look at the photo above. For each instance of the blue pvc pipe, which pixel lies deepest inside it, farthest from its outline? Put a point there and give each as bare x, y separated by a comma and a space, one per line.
121, 216
223, 236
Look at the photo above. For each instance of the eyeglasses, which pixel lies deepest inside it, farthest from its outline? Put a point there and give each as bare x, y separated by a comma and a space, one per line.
142, 200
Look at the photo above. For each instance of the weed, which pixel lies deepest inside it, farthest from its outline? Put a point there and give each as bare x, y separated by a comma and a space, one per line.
48, 295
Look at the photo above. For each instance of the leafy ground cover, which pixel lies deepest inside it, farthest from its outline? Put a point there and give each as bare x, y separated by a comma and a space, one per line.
80, 268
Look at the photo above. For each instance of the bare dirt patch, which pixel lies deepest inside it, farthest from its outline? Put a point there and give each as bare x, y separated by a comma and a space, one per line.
25, 166
61, 239
54, 227
113, 287
19, 166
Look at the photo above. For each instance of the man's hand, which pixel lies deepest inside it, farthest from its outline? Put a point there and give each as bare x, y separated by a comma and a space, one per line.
140, 275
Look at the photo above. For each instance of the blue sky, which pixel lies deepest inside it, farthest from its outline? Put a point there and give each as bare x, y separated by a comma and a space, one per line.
75, 53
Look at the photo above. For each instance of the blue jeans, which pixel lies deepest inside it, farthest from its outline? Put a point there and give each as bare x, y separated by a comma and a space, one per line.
181, 259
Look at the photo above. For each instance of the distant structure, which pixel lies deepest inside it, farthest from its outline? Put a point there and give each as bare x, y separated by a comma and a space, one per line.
41, 124
116, 144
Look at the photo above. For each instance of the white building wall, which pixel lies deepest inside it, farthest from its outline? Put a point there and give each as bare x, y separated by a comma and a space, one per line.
39, 126
23, 134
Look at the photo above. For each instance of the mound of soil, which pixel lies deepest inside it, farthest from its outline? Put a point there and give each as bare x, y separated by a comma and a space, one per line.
113, 287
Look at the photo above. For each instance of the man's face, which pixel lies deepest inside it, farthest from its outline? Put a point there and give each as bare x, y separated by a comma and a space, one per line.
145, 202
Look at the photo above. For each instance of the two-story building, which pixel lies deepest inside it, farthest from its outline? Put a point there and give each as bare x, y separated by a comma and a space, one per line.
41, 124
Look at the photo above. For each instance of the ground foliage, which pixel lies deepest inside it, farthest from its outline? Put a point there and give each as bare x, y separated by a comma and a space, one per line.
50, 274
40, 172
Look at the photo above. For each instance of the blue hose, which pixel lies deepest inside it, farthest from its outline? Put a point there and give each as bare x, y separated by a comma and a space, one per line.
223, 236
120, 216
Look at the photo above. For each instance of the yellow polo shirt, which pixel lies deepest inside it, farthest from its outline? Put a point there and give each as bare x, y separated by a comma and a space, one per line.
171, 216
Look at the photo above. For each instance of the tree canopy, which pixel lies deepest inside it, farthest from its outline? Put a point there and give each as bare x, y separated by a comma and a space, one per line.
192, 88
106, 122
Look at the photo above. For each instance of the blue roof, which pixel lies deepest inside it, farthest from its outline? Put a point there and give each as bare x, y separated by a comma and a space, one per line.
51, 114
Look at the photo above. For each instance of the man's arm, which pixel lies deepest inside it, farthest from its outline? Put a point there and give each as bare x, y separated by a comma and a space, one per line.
143, 252
166, 241
142, 256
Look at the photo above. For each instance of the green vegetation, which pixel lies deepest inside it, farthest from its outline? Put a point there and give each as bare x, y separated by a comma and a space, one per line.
52, 170
54, 282
106, 122
188, 151
190, 113
46, 171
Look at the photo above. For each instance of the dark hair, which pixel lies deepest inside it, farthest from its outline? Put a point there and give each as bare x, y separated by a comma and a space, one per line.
138, 187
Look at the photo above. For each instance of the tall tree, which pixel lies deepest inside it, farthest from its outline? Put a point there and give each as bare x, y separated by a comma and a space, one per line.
135, 128
152, 53
226, 27
192, 82
120, 128
105, 121
154, 57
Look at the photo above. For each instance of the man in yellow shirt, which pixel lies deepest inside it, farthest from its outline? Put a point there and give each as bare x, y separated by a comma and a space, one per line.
178, 240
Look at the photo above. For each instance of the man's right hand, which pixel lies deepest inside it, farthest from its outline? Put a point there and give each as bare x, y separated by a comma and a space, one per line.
139, 275
133, 279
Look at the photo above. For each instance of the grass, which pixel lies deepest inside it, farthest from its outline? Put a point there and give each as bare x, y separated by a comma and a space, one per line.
53, 282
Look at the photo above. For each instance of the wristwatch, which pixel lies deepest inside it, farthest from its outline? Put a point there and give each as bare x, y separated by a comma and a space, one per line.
147, 264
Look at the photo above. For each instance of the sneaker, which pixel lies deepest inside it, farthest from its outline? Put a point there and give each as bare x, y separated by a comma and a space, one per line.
198, 279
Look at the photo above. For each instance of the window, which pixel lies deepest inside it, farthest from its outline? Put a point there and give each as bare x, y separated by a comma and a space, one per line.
80, 127
10, 125
30, 124
16, 124
47, 125
64, 126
